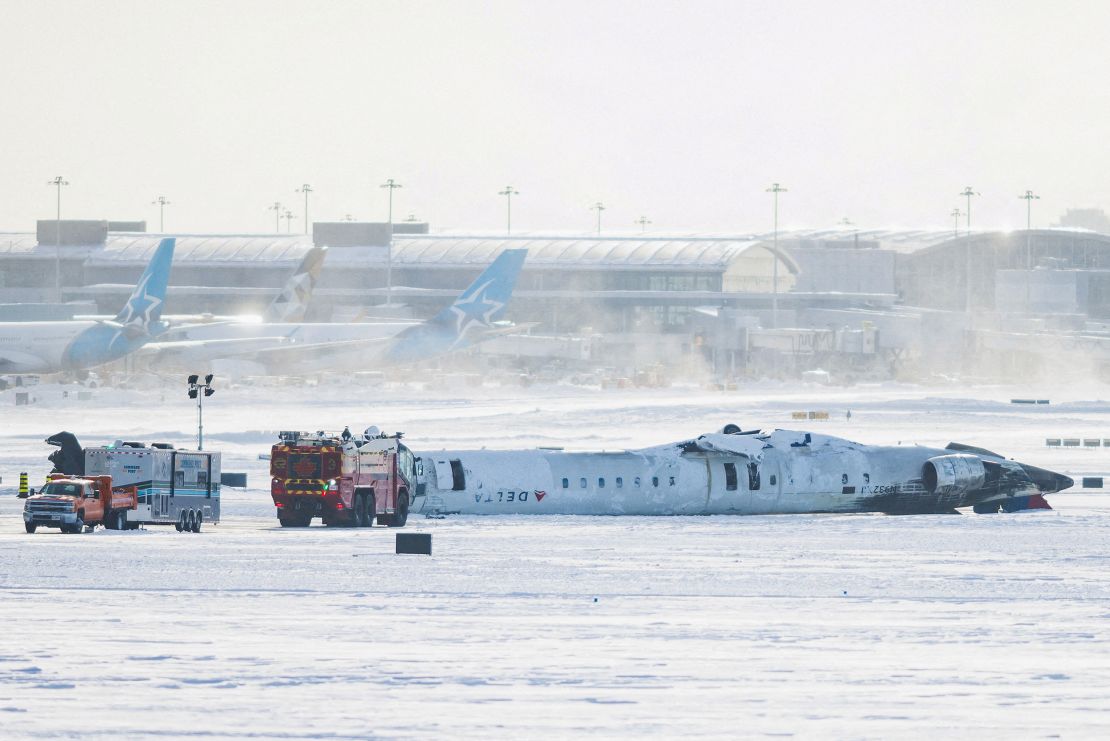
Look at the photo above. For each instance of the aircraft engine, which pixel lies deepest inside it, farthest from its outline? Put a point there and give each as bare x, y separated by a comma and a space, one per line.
953, 474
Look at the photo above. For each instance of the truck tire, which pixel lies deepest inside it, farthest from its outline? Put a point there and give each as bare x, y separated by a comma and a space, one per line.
180, 524
366, 509
190, 521
401, 513
198, 520
121, 520
30, 527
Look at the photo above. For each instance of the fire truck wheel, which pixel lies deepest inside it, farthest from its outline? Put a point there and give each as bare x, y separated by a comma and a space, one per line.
30, 527
366, 509
401, 514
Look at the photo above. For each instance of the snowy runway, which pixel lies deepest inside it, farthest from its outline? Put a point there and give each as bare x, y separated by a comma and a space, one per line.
813, 625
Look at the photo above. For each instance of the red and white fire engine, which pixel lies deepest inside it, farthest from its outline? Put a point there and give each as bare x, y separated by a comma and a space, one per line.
342, 479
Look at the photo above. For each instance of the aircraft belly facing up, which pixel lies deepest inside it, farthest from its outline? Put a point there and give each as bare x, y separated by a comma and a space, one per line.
735, 472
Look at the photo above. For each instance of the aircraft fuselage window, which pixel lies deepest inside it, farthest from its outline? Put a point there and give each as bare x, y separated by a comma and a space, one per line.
620, 482
867, 478
655, 481
601, 483
636, 482
843, 478
730, 477
566, 483
672, 480
582, 483
458, 476
753, 476
773, 480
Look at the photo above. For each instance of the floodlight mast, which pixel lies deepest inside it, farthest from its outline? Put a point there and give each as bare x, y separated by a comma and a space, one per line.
392, 185
775, 189
599, 207
306, 189
276, 208
198, 391
58, 182
1029, 197
161, 202
509, 192
968, 192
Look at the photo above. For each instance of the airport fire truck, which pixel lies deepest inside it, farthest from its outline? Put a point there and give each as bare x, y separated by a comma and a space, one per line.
341, 479
124, 485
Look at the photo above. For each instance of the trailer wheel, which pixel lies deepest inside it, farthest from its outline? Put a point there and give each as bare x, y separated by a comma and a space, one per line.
30, 527
198, 520
180, 524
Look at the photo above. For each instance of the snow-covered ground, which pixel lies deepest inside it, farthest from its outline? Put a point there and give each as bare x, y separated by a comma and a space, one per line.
838, 626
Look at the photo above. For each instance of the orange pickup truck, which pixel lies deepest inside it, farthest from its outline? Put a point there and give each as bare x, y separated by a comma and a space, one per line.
74, 503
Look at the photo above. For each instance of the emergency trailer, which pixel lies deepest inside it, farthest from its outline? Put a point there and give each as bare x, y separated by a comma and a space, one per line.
342, 480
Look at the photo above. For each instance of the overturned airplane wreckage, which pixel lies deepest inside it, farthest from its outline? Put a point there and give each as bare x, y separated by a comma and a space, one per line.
734, 472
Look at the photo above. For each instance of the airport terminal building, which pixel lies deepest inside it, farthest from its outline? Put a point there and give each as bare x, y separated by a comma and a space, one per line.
712, 294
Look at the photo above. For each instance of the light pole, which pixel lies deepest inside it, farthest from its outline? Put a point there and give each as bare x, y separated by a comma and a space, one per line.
643, 221
509, 192
1029, 197
58, 182
198, 391
968, 192
392, 186
956, 214
599, 207
306, 189
161, 203
276, 208
775, 189
288, 216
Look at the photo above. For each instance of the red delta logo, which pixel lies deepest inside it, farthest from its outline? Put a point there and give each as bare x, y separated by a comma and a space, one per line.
540, 495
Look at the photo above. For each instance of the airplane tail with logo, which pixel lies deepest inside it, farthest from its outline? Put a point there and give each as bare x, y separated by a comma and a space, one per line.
291, 305
469, 319
142, 314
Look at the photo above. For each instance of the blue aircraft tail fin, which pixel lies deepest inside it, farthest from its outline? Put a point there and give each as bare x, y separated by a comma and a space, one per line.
472, 313
144, 308
484, 301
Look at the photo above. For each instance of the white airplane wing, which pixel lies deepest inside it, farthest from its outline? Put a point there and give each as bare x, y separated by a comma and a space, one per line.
13, 360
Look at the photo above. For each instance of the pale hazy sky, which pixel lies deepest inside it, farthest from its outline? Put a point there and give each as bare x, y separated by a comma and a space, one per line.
681, 111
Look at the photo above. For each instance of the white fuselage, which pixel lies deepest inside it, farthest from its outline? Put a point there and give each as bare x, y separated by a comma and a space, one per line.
270, 344
37, 347
783, 472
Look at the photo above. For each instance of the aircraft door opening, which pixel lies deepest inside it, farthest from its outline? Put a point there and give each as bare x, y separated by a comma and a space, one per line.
728, 490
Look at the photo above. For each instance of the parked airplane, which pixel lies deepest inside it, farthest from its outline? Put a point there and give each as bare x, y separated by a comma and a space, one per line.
291, 347
734, 472
53, 347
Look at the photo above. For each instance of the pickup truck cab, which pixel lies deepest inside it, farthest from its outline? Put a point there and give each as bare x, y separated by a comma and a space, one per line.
74, 503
